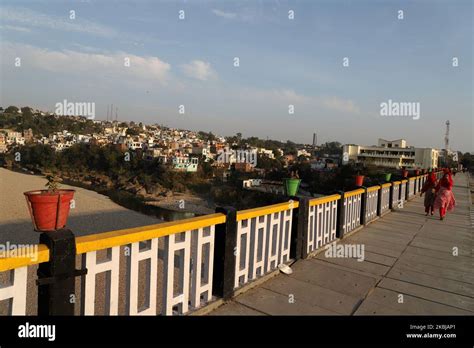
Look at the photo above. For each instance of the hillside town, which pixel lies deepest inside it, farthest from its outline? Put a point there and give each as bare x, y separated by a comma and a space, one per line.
180, 150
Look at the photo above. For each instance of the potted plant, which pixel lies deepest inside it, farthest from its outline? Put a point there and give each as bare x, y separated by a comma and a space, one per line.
292, 184
404, 173
359, 179
49, 209
417, 172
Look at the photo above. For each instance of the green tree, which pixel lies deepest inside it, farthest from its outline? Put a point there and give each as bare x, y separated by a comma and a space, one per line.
12, 110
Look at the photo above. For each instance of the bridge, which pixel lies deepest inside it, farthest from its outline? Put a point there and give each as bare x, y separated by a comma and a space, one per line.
414, 264
227, 263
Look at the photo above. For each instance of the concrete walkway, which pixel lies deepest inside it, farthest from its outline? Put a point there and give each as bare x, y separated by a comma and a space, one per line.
411, 267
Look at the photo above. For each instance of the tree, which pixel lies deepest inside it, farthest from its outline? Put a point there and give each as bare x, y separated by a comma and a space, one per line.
467, 160
132, 131
12, 110
206, 136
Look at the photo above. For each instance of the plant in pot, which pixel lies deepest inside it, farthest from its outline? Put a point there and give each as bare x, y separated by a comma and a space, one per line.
292, 184
49, 209
359, 179
404, 173
387, 177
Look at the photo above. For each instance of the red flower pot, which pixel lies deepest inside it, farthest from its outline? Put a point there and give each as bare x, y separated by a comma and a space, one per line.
359, 180
49, 211
417, 172
404, 173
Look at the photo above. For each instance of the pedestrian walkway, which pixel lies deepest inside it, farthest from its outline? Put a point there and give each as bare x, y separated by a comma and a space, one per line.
413, 265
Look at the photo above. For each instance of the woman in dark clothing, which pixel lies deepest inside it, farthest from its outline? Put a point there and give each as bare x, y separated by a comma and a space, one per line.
429, 190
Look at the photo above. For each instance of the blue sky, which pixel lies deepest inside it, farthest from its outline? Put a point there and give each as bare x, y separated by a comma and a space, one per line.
299, 62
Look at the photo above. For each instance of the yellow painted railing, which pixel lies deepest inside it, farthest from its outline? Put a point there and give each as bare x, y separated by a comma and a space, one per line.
353, 193
107, 240
270, 209
325, 199
373, 188
12, 262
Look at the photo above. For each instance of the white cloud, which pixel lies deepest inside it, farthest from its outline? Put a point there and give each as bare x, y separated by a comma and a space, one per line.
74, 62
35, 19
338, 104
15, 28
223, 14
274, 96
199, 70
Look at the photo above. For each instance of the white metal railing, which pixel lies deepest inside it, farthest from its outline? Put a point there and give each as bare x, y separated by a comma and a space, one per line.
322, 222
352, 210
411, 187
396, 194
263, 240
372, 202
16, 272
385, 200
403, 188
15, 290
187, 259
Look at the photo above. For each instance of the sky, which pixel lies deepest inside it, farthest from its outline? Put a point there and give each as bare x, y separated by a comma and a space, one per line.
284, 63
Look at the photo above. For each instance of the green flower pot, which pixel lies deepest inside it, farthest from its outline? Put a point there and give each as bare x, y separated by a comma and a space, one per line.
291, 186
388, 176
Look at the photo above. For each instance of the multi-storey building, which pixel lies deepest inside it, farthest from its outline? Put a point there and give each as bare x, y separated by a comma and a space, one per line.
393, 154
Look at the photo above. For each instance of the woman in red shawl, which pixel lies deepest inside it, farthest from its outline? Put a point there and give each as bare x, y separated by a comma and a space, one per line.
444, 195
429, 189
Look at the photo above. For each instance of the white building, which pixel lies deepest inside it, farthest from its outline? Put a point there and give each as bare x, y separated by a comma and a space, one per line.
265, 152
152, 153
185, 163
251, 183
303, 152
393, 154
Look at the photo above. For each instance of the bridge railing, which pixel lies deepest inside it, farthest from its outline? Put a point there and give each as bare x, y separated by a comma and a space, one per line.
372, 199
384, 204
16, 274
352, 210
263, 240
322, 222
187, 248
396, 192
411, 187
178, 267
403, 191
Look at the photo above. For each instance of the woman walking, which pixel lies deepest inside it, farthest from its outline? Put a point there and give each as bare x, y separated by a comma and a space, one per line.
444, 200
429, 190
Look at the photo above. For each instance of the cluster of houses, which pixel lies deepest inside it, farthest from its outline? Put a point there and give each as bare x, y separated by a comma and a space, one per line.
182, 150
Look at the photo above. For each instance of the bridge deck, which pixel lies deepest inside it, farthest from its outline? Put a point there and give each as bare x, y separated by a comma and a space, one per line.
409, 268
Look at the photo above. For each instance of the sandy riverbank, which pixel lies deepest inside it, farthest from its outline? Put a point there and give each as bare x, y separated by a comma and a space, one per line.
93, 212
182, 202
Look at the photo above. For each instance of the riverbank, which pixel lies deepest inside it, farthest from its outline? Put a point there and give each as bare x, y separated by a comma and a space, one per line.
92, 212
